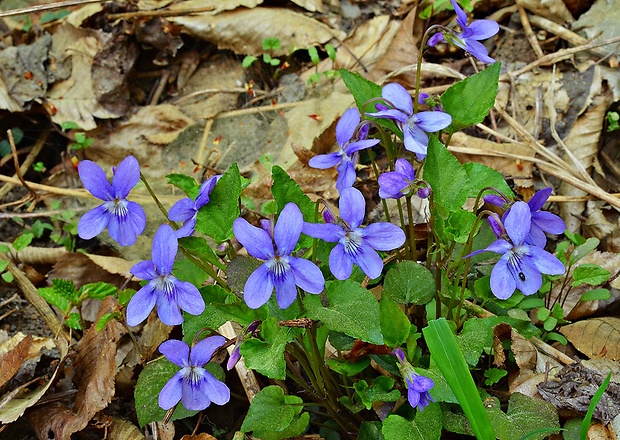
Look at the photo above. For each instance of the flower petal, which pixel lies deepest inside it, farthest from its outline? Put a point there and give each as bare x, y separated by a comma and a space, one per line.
413, 397
126, 176
187, 229
171, 393
327, 232
288, 229
518, 222
217, 390
436, 39
135, 218
483, 29
144, 270
203, 351
369, 261
503, 283
168, 309
194, 395
140, 305
120, 231
165, 247
391, 185
461, 16
189, 298
383, 236
545, 262
432, 121
346, 174
538, 200
352, 207
528, 280
345, 128
176, 352
307, 275
324, 161
548, 222
182, 210
500, 246
404, 167
478, 50
395, 114
258, 287
423, 383
205, 191
536, 237
286, 290
93, 222
95, 181
256, 241
354, 147
340, 263
416, 141
399, 97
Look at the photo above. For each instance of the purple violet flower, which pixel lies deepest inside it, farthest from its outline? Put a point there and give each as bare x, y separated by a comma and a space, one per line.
521, 264
235, 356
125, 220
163, 289
280, 269
417, 386
412, 125
356, 245
344, 160
398, 183
543, 221
194, 386
186, 210
470, 36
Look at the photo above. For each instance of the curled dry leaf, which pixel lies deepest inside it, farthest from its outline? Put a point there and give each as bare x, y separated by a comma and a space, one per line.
13, 358
95, 371
124, 430
596, 337
294, 30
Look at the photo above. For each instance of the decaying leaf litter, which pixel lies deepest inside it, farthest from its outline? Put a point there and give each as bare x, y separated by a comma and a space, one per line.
164, 81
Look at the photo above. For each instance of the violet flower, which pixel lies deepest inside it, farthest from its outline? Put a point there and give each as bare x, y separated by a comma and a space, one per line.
125, 220
412, 125
542, 221
280, 269
235, 356
417, 386
186, 210
356, 245
470, 36
345, 159
398, 183
521, 264
194, 386
163, 289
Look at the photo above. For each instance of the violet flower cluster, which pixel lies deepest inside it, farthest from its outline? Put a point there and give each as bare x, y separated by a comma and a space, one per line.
346, 157
522, 261
414, 126
193, 385
469, 37
418, 387
125, 220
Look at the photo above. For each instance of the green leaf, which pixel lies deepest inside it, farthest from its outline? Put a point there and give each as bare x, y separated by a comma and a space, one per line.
216, 218
331, 52
7, 277
150, 382
107, 317
524, 415
447, 356
446, 176
286, 190
470, 100
20, 243
584, 249
70, 125
73, 321
481, 176
199, 248
395, 325
426, 425
267, 357
314, 54
4, 248
380, 391
459, 225
370, 431
494, 375
550, 323
585, 425
185, 183
348, 368
352, 310
247, 61
543, 313
596, 295
3, 265
98, 290
475, 336
591, 274
185, 270
409, 283
271, 43
274, 416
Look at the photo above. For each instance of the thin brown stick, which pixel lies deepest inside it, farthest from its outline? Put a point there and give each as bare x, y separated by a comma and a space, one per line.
18, 170
48, 7
529, 33
159, 13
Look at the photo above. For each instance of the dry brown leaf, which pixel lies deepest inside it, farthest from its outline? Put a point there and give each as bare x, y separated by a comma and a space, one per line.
96, 369
124, 430
84, 269
294, 30
74, 98
216, 5
555, 10
165, 431
310, 5
12, 360
595, 337
201, 436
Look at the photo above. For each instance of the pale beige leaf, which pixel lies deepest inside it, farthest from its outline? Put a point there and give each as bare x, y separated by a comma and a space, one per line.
310, 5
555, 10
600, 22
201, 436
294, 30
216, 5
595, 337
124, 430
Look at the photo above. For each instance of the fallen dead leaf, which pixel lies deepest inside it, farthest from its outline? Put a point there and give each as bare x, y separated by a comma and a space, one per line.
201, 436
555, 10
124, 430
217, 6
12, 360
310, 5
294, 30
598, 337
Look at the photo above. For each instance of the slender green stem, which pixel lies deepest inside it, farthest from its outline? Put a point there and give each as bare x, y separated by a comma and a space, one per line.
383, 201
412, 245
404, 227
157, 202
418, 72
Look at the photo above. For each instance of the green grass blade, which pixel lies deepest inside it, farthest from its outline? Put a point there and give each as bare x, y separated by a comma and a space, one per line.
585, 424
448, 357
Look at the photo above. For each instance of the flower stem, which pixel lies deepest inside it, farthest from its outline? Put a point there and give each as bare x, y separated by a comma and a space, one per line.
412, 245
